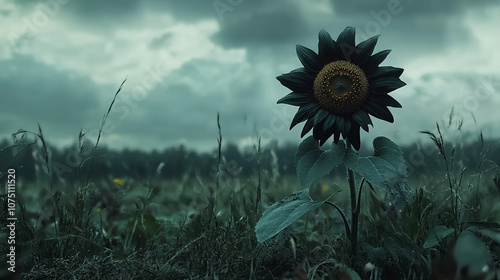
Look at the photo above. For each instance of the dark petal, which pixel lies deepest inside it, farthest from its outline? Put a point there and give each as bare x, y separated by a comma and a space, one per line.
345, 48
320, 116
384, 99
297, 98
362, 119
329, 122
329, 127
318, 132
326, 134
365, 50
297, 80
305, 112
347, 127
385, 85
336, 136
335, 129
326, 47
339, 124
325, 137
378, 111
307, 127
309, 59
385, 71
354, 137
374, 61
347, 36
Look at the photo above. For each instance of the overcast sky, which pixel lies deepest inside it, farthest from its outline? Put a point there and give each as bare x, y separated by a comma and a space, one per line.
61, 62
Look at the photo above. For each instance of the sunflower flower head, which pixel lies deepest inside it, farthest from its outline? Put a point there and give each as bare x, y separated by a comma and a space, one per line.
340, 87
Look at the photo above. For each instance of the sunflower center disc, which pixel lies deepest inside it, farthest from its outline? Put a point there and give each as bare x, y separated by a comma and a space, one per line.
341, 87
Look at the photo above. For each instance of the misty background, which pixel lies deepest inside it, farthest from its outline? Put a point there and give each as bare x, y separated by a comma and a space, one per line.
61, 61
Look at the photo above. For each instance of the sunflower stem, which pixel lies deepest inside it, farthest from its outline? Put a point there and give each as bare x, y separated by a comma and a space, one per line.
354, 210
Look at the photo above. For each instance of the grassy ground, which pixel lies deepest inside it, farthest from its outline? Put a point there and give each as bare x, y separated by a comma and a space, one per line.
184, 230
204, 228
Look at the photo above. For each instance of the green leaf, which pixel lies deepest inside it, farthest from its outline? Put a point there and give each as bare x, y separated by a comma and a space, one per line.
437, 234
386, 169
491, 233
283, 213
150, 225
471, 252
375, 255
313, 163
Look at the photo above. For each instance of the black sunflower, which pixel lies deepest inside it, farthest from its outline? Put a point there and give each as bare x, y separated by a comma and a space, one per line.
340, 87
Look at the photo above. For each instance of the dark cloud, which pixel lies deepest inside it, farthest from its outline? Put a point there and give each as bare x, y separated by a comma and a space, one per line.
103, 15
184, 11
431, 26
422, 8
101, 10
253, 25
186, 105
92, 12
34, 92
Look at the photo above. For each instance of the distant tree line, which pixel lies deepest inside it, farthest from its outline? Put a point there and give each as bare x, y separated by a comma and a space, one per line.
179, 162
171, 163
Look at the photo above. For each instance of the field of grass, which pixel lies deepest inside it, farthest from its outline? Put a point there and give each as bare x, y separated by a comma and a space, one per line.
194, 229
204, 228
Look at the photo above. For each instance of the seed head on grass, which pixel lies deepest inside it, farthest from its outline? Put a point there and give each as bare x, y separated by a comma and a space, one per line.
437, 140
100, 132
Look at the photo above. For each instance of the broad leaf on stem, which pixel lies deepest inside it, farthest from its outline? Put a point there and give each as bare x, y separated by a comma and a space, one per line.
313, 163
386, 169
283, 213
437, 234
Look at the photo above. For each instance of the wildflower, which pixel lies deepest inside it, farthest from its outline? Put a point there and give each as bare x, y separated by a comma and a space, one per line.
340, 86
119, 181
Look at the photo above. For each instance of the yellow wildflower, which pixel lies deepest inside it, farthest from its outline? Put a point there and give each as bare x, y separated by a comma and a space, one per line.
119, 181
